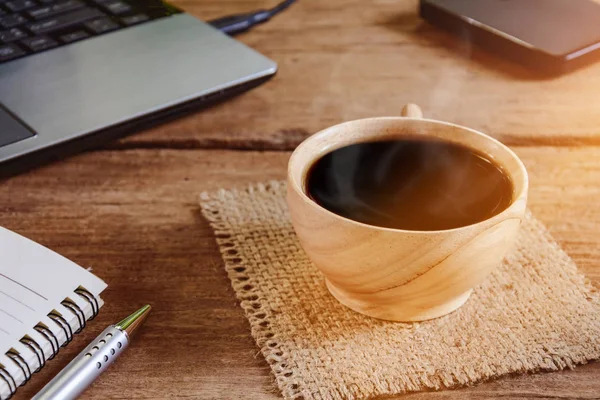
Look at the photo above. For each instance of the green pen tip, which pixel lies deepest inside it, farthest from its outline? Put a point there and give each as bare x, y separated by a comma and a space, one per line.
130, 324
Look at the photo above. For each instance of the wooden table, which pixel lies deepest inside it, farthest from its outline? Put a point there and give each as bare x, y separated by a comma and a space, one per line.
129, 210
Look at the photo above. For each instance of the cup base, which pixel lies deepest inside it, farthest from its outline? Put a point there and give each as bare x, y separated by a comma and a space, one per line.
398, 312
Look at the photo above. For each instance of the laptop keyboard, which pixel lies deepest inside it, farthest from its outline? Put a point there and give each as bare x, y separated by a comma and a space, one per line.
32, 26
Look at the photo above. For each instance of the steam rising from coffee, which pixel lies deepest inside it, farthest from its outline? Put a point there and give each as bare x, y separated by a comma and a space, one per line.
410, 183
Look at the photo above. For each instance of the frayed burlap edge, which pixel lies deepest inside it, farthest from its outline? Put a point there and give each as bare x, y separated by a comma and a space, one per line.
258, 311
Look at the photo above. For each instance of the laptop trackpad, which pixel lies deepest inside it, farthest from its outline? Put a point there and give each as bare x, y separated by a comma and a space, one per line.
11, 130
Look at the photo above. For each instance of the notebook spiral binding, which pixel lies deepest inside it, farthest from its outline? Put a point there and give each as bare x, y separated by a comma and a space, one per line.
49, 336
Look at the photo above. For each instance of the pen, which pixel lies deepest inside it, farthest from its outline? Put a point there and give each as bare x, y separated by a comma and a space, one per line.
93, 360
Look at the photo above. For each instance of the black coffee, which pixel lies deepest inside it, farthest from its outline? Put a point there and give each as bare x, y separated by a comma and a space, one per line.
411, 183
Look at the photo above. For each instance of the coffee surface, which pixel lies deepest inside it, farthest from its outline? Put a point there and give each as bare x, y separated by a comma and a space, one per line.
410, 183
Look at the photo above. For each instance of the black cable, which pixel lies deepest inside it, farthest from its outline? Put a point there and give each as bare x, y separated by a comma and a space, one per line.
233, 24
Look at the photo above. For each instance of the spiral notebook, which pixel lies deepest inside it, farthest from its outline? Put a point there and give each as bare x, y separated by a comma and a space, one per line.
45, 299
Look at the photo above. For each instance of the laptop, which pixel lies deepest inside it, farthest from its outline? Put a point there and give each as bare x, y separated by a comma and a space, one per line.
73, 69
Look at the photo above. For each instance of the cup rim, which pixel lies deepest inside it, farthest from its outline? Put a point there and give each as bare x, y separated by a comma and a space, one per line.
519, 192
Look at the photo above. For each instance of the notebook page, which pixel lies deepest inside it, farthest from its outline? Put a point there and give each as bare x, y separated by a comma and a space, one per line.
33, 282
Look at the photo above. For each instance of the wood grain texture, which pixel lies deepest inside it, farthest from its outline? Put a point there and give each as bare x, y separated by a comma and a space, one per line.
131, 213
417, 275
347, 59
132, 216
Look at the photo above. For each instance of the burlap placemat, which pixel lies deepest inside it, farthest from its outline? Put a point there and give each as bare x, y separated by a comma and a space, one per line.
535, 312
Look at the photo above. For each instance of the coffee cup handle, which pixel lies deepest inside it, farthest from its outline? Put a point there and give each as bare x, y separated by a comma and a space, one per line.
411, 110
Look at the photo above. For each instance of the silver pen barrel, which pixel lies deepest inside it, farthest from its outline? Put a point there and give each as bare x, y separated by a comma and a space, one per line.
86, 367
94, 359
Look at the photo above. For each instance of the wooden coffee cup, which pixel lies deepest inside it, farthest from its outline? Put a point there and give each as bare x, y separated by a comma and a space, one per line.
397, 274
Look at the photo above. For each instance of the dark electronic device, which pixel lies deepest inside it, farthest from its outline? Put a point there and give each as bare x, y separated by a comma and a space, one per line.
551, 36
